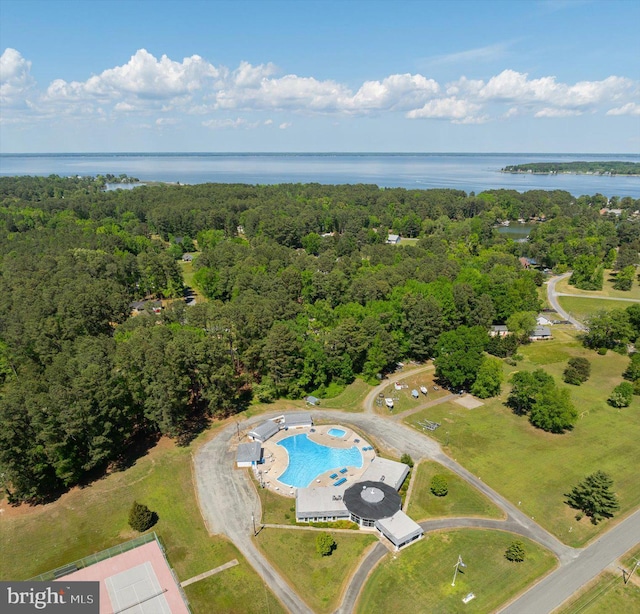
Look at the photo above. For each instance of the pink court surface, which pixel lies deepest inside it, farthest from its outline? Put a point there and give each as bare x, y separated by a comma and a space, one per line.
135, 582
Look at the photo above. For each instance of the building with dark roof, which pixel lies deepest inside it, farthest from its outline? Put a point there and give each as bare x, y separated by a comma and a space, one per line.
370, 501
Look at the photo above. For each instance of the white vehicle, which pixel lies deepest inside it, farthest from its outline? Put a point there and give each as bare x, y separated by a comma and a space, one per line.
423, 389
389, 402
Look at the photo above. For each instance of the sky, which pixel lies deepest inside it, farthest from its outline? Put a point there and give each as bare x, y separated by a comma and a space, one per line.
545, 76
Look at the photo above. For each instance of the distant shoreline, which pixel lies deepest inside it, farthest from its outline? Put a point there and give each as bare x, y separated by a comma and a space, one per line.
598, 168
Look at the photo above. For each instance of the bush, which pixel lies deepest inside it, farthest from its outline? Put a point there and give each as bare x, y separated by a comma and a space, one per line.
578, 370
515, 552
141, 517
602, 351
439, 486
325, 544
622, 395
406, 459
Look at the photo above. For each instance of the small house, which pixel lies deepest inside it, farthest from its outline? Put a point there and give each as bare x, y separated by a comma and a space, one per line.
312, 400
249, 454
540, 333
542, 321
500, 330
393, 239
187, 257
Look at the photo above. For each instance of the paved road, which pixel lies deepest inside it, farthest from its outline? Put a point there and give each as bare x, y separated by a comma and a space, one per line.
552, 295
556, 588
228, 499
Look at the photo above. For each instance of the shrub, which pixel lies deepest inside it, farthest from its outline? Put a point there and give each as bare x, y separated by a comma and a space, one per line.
325, 544
578, 370
141, 517
602, 351
622, 395
406, 459
439, 486
515, 552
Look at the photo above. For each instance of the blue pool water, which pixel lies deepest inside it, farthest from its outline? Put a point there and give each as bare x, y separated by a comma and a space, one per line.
336, 432
307, 460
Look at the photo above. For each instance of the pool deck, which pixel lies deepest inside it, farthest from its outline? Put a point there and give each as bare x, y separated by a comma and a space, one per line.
276, 458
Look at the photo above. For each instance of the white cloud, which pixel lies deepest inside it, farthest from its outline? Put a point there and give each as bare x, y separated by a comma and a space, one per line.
142, 77
631, 108
221, 124
268, 122
285, 125
16, 82
460, 111
551, 112
167, 121
488, 53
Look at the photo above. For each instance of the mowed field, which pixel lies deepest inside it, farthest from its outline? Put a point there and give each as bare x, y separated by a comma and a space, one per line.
582, 308
87, 520
607, 288
535, 469
418, 579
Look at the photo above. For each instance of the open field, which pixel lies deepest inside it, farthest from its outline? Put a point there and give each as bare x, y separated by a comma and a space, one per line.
535, 469
607, 288
581, 308
319, 580
91, 519
418, 579
607, 594
351, 398
403, 400
187, 277
462, 500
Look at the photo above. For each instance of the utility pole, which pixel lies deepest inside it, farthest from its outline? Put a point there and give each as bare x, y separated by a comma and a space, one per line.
626, 575
457, 566
238, 429
253, 521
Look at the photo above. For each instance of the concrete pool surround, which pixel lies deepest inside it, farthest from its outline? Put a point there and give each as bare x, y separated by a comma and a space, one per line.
276, 457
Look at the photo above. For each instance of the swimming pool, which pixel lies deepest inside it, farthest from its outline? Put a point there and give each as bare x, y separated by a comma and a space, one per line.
336, 432
308, 460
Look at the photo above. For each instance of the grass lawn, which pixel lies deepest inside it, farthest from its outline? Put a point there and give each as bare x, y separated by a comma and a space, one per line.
319, 580
462, 500
535, 468
403, 400
581, 308
607, 288
187, 277
607, 594
84, 521
418, 579
276, 509
351, 398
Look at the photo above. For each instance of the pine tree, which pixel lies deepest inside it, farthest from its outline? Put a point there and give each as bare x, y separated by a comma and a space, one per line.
515, 552
141, 517
594, 497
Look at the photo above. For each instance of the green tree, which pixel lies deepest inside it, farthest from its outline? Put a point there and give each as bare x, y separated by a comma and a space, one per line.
609, 329
632, 372
141, 517
515, 552
553, 410
622, 395
594, 496
489, 380
439, 485
422, 324
521, 324
577, 371
525, 388
624, 278
406, 459
459, 354
325, 544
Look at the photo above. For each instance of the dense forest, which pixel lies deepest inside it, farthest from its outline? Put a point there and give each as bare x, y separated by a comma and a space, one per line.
303, 295
579, 168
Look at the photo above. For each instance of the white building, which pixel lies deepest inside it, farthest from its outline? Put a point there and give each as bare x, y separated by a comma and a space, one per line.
321, 504
399, 529
249, 454
387, 471
264, 431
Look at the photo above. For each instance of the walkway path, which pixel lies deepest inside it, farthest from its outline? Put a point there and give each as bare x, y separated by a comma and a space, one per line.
368, 402
208, 574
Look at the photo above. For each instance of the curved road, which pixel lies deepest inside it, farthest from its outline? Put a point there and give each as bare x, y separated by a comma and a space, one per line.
228, 499
552, 295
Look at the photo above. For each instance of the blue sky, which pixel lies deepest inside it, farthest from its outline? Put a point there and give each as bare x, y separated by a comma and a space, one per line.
412, 75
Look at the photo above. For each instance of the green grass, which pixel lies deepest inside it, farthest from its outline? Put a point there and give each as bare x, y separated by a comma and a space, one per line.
462, 499
187, 277
351, 398
582, 308
607, 594
607, 288
276, 509
418, 579
319, 580
535, 469
91, 519
403, 401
